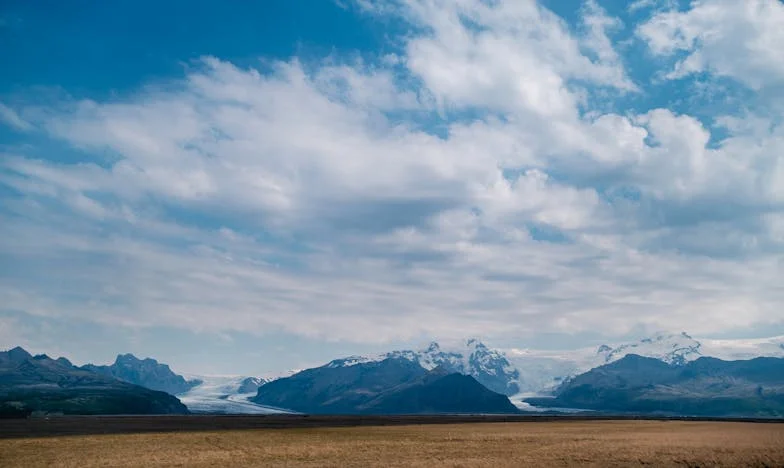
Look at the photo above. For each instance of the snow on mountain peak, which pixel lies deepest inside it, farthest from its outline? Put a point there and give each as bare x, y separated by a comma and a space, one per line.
433, 347
533, 371
471, 357
672, 348
475, 343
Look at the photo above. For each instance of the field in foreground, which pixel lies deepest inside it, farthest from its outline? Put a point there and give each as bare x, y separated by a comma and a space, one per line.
601, 443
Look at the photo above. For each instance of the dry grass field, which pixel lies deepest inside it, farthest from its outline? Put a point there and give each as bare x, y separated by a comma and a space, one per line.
597, 443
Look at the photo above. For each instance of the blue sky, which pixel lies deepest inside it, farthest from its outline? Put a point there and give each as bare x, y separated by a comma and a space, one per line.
254, 187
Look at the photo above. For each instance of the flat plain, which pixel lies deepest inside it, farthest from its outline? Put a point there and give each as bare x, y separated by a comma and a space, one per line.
585, 443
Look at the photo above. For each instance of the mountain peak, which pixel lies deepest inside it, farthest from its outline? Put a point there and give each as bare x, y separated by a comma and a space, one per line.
471, 357
475, 343
146, 372
126, 358
433, 347
662, 335
672, 348
440, 370
64, 362
18, 354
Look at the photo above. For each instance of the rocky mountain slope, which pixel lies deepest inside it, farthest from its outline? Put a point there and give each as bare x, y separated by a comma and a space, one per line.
439, 391
38, 383
488, 366
394, 385
148, 373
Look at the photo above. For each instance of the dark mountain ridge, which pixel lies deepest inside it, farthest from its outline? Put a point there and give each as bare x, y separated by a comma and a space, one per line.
439, 392
39, 383
704, 387
390, 386
147, 373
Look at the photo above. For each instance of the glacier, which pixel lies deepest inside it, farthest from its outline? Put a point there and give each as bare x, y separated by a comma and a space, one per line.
220, 394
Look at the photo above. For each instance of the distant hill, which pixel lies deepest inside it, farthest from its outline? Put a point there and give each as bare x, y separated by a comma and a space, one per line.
148, 373
38, 383
251, 384
390, 386
704, 387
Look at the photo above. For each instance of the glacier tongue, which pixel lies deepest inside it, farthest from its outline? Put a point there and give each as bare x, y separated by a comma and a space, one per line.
219, 394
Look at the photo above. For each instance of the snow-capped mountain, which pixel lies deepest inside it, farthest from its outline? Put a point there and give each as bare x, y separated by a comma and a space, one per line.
251, 384
670, 348
524, 372
542, 371
488, 366
515, 372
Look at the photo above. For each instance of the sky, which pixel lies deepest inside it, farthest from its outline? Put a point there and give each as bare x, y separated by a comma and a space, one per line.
250, 187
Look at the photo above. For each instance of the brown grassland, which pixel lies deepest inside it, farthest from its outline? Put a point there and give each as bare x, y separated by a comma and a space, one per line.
597, 443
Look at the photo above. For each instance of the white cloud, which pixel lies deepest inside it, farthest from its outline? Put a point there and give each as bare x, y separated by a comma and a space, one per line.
315, 199
11, 118
598, 24
737, 39
513, 57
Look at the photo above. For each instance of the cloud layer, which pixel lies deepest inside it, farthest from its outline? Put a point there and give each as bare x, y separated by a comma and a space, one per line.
471, 183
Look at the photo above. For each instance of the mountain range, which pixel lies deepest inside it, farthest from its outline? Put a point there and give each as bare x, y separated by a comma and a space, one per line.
431, 379
542, 372
703, 387
515, 371
39, 383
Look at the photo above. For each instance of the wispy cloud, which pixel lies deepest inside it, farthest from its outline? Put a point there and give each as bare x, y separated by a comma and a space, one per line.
11, 118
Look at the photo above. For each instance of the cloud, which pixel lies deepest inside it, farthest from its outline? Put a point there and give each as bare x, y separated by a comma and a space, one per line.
9, 117
465, 188
598, 24
740, 40
514, 57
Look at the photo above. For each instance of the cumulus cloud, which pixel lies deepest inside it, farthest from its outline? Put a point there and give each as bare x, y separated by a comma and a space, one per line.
738, 39
512, 57
319, 199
